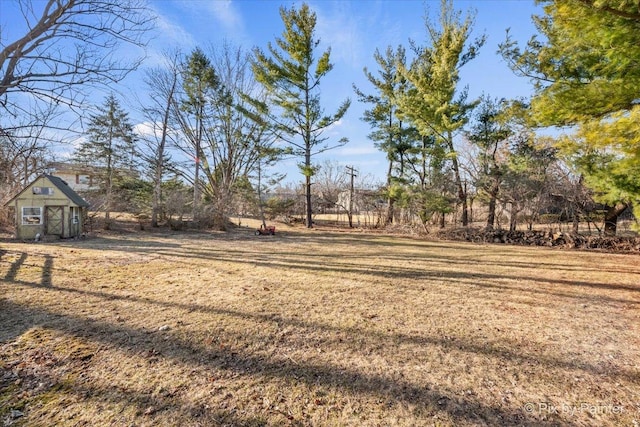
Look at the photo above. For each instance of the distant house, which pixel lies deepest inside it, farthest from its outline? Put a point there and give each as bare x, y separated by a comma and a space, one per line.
48, 207
78, 177
344, 197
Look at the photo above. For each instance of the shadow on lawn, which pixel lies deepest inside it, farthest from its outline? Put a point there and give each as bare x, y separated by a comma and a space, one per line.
324, 263
507, 351
18, 317
467, 254
464, 409
280, 262
450, 343
146, 404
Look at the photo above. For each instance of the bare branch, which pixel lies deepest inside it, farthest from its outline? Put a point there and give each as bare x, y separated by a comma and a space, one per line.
68, 45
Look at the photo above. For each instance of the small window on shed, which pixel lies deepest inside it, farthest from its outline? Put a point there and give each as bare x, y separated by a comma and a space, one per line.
45, 191
31, 216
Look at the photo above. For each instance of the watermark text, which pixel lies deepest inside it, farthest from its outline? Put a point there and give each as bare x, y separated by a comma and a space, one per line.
573, 409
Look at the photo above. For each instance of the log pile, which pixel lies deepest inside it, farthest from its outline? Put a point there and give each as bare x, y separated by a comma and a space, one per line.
543, 238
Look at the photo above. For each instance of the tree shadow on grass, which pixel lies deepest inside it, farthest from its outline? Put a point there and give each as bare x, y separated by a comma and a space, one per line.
506, 350
475, 280
434, 399
465, 409
295, 261
425, 250
42, 384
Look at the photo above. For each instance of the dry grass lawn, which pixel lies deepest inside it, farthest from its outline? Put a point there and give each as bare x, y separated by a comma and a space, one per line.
315, 328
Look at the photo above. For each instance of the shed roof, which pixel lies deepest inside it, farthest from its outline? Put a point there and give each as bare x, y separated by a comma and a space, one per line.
68, 191
61, 185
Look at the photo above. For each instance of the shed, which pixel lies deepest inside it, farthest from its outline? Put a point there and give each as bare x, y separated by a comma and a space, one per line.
48, 207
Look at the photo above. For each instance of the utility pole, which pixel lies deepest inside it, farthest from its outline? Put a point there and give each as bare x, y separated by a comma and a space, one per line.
352, 173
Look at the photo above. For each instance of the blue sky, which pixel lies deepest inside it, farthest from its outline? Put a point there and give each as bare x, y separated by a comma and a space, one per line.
353, 29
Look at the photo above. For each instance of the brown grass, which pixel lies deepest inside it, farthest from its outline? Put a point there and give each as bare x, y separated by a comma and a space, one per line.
315, 328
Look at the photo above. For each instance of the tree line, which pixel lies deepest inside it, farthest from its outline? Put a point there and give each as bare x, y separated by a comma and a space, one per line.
217, 120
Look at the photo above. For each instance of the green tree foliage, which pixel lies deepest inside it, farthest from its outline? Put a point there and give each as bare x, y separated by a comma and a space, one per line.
434, 102
228, 142
490, 133
586, 75
109, 147
291, 75
525, 178
199, 82
431, 179
389, 133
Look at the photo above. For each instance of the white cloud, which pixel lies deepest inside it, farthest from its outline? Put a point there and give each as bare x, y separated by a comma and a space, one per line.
226, 14
340, 28
169, 34
72, 145
146, 129
334, 128
173, 32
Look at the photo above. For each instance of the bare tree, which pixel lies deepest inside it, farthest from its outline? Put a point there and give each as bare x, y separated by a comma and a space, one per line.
162, 83
331, 180
68, 45
20, 159
23, 152
216, 128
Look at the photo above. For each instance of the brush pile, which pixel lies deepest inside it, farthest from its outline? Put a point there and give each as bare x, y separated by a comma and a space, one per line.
543, 238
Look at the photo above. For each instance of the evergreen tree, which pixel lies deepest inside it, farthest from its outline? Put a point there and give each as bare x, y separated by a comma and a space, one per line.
389, 133
227, 140
490, 133
199, 81
434, 103
526, 176
586, 75
109, 147
291, 75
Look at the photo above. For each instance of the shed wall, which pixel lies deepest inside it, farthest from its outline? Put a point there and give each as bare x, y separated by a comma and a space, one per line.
27, 227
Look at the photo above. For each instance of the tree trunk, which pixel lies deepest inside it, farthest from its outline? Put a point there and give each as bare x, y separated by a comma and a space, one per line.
462, 194
513, 218
576, 220
493, 197
611, 218
260, 203
390, 201
309, 210
109, 183
196, 183
157, 187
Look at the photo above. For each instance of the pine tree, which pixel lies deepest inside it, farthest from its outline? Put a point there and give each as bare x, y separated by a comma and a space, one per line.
292, 77
434, 103
490, 133
389, 133
109, 148
199, 81
586, 75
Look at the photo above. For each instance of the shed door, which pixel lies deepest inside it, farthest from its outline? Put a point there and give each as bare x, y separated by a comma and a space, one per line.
54, 220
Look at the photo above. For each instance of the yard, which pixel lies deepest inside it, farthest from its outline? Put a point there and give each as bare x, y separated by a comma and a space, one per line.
318, 328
